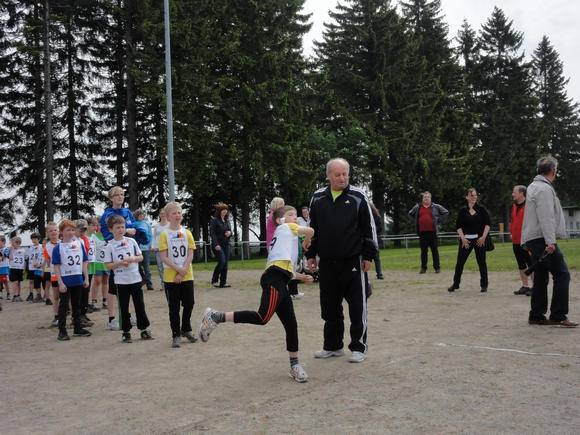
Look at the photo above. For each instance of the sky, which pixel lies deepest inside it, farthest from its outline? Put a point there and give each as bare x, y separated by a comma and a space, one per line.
557, 19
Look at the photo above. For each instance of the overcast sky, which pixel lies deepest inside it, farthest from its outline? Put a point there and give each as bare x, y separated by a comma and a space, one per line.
558, 19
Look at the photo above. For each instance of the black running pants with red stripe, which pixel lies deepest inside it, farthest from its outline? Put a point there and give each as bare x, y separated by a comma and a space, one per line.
343, 279
275, 299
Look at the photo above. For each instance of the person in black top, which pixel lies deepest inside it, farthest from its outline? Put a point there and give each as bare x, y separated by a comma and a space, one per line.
473, 225
345, 239
220, 233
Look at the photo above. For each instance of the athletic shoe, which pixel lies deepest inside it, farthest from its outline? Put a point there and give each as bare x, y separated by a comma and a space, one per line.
380, 277
225, 286
176, 342
357, 357
150, 288
38, 298
87, 323
47, 301
63, 336
133, 321
8, 296
82, 333
54, 322
146, 335
95, 306
530, 291
298, 295
89, 309
30, 298
297, 373
17, 298
190, 336
521, 291
452, 288
105, 304
127, 337
113, 325
207, 324
215, 284
328, 353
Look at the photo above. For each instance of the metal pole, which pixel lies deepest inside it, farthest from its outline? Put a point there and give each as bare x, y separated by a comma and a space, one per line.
170, 168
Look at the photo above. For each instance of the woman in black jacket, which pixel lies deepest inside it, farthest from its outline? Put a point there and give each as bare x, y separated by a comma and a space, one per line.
220, 233
473, 225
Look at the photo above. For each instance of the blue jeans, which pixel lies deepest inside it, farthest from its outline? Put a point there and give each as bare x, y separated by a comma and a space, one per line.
220, 273
555, 265
144, 270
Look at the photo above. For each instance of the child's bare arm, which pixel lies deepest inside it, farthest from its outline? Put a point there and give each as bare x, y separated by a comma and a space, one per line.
308, 279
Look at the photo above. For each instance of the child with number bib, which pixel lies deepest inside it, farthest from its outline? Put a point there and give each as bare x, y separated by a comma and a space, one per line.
280, 269
122, 255
70, 262
176, 247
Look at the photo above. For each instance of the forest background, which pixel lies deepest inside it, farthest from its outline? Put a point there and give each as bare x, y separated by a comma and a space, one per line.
82, 91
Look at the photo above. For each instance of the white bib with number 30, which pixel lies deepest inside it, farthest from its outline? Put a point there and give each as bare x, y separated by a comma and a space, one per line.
177, 247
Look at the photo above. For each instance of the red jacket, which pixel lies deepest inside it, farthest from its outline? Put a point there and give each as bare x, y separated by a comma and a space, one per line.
517, 219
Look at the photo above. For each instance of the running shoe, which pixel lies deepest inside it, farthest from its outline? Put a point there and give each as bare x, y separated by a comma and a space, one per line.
357, 357
8, 296
54, 322
38, 298
47, 301
127, 337
298, 295
297, 373
82, 333
113, 325
323, 353
207, 324
176, 342
133, 321
30, 298
63, 336
146, 335
190, 336
105, 304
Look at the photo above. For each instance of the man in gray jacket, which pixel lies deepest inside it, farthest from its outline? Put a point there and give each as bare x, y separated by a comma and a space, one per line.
427, 217
543, 223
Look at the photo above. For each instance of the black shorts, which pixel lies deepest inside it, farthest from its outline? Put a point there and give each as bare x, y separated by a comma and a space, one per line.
54, 284
45, 278
112, 285
16, 275
523, 257
37, 281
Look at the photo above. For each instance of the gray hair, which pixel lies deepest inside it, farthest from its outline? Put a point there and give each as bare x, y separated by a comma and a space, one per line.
546, 164
521, 189
336, 159
426, 193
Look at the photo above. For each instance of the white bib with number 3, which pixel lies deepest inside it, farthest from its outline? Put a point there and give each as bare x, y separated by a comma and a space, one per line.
71, 256
177, 246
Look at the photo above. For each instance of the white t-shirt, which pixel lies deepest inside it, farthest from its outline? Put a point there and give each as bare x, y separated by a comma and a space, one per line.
18, 256
118, 250
177, 245
284, 246
34, 255
157, 230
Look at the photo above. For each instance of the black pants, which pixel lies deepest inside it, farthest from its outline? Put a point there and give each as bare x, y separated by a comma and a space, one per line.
85, 297
343, 279
555, 265
179, 294
463, 254
124, 293
74, 295
275, 299
428, 239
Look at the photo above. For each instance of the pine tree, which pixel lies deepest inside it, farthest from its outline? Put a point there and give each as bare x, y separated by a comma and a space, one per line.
507, 130
559, 123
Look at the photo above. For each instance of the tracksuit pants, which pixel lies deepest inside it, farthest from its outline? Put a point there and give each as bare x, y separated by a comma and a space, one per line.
124, 293
343, 279
275, 299
73, 294
179, 294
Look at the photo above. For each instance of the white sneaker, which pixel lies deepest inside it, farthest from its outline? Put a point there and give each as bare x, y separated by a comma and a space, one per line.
357, 357
54, 322
133, 321
328, 353
207, 324
297, 373
113, 325
298, 295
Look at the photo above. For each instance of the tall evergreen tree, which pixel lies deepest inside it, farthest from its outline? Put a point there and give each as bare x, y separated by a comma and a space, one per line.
559, 123
507, 130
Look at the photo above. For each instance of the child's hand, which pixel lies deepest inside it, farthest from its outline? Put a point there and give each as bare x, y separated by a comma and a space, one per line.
306, 244
62, 288
308, 279
125, 263
85, 283
178, 278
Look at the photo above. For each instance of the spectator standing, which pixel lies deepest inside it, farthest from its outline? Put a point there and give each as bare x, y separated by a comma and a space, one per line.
427, 217
543, 222
145, 246
523, 257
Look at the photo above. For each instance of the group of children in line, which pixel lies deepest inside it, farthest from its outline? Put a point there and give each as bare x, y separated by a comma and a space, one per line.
75, 259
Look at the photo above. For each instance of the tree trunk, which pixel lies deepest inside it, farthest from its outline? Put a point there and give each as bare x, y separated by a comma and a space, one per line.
70, 121
132, 170
246, 228
49, 165
38, 139
263, 216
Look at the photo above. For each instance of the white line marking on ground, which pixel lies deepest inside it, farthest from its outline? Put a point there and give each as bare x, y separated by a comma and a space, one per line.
506, 350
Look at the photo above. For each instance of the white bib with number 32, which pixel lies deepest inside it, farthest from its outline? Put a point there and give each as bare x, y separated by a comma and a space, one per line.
71, 255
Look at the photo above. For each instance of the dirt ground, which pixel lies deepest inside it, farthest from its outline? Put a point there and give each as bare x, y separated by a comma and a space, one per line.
438, 362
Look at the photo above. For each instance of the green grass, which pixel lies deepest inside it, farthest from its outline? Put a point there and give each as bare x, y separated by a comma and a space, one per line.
501, 259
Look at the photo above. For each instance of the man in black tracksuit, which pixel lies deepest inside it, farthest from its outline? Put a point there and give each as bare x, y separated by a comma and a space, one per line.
346, 242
